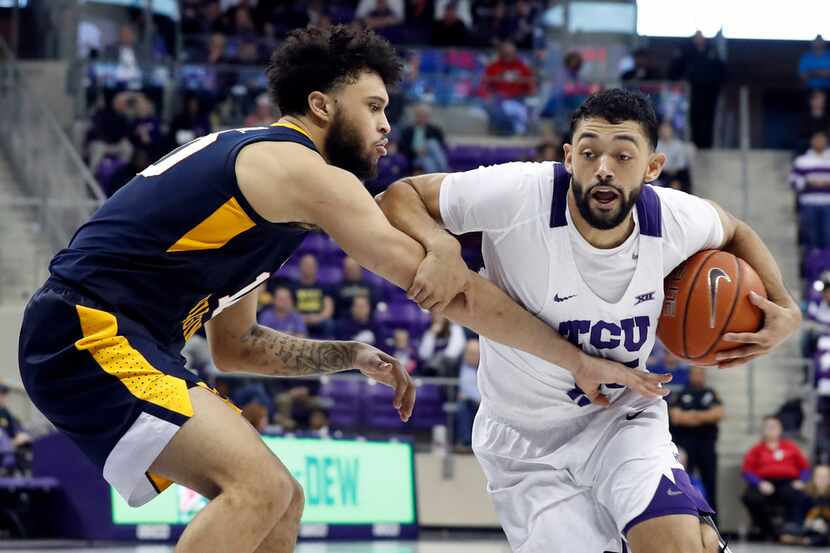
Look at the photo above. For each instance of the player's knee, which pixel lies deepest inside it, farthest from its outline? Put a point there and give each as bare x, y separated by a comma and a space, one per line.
268, 491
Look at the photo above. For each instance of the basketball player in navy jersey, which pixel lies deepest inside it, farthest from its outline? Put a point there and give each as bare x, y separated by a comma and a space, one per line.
585, 245
186, 242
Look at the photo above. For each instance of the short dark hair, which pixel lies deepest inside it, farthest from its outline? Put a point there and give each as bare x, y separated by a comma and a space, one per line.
320, 59
616, 105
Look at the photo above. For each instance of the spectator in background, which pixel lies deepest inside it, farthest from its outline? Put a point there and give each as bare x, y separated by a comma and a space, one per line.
683, 459
256, 414
643, 69
145, 132
680, 155
507, 83
282, 316
191, 122
125, 54
441, 347
548, 151
248, 52
241, 21
314, 301
816, 529
469, 397
11, 424
816, 119
462, 8
814, 66
354, 284
403, 351
380, 14
358, 325
811, 179
523, 35
449, 29
423, 143
695, 414
109, 133
701, 66
817, 320
493, 23
262, 115
318, 422
217, 49
776, 471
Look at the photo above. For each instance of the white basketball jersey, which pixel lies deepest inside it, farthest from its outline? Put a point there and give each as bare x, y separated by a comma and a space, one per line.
528, 252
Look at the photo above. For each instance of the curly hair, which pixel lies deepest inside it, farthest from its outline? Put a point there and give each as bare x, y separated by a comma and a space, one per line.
616, 105
321, 59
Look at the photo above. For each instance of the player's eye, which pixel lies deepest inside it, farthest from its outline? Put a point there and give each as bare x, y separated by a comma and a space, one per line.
624, 157
588, 155
374, 107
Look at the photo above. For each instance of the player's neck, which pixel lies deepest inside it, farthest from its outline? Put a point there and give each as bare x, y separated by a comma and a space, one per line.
314, 132
603, 239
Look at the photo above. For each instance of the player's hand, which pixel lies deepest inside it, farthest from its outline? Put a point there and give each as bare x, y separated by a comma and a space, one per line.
441, 276
594, 371
766, 488
387, 370
780, 321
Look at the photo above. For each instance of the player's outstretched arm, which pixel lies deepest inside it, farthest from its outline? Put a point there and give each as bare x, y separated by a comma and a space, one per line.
239, 344
346, 211
782, 316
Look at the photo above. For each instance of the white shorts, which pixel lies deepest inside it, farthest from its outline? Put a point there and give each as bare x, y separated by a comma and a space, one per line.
583, 484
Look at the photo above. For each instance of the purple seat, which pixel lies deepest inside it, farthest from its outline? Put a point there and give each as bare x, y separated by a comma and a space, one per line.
816, 262
340, 388
314, 243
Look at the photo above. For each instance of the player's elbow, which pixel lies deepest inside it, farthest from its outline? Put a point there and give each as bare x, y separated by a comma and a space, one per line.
226, 358
389, 198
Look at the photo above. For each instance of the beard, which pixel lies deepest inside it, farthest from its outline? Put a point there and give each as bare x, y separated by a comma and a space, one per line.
345, 149
599, 219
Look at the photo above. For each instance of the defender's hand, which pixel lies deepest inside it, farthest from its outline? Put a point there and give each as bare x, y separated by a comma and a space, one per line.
441, 276
387, 370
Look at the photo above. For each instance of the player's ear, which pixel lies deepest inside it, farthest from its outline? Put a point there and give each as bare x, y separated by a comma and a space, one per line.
318, 106
655, 166
567, 160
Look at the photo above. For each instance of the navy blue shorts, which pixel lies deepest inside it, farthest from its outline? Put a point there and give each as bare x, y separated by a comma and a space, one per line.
100, 377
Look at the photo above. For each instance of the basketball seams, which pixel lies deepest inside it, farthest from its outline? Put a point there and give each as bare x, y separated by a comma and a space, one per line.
689, 295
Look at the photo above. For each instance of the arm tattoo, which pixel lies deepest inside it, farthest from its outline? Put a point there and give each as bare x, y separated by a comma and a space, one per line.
270, 352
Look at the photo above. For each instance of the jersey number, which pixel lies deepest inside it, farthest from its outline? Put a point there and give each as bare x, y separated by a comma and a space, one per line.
186, 150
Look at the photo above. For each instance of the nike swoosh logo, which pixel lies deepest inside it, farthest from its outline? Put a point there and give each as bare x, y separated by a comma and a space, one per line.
632, 416
674, 492
557, 299
715, 276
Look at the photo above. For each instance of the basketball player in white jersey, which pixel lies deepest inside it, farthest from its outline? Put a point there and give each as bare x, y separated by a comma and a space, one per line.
585, 246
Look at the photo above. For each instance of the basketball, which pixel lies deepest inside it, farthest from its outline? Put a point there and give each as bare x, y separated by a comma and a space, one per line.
706, 297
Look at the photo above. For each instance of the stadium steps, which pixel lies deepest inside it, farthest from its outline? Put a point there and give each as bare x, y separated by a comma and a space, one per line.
768, 208
23, 246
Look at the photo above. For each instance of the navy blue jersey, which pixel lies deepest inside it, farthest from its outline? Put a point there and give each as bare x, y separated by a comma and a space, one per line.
179, 243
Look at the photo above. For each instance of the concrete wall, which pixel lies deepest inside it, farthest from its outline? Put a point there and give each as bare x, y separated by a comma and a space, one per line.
47, 79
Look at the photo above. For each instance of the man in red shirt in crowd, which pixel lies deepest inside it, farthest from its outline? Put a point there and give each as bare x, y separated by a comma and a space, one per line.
508, 76
507, 82
776, 471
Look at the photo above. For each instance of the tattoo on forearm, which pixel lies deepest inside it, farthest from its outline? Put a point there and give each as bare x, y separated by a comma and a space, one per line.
283, 355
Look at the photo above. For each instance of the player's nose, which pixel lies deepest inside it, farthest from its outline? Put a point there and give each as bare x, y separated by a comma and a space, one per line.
604, 169
384, 127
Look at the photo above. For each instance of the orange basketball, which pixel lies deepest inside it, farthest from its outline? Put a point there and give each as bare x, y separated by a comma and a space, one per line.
707, 296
